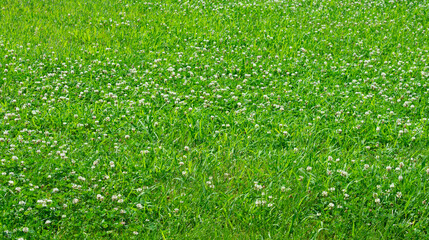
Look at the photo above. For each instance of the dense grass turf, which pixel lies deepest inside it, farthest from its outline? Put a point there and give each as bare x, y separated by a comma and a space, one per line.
214, 119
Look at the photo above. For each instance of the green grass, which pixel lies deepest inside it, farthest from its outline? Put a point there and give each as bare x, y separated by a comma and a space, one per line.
214, 119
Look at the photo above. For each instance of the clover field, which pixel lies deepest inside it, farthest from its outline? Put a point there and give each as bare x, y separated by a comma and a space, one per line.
216, 119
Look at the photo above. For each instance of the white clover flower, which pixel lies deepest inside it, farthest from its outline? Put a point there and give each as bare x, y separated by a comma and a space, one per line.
100, 197
258, 187
398, 194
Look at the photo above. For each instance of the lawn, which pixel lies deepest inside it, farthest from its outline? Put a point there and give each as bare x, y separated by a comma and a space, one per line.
217, 119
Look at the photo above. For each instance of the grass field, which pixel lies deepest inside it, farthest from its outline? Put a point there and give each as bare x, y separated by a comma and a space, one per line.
300, 119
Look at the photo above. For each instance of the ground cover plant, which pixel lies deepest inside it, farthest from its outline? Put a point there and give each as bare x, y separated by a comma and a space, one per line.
214, 119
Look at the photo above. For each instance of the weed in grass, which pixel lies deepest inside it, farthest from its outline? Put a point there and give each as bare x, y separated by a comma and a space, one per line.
214, 119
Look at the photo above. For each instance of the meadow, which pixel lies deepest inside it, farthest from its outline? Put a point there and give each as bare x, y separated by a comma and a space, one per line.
216, 119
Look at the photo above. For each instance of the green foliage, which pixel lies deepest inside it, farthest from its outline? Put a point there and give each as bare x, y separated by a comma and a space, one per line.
214, 119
